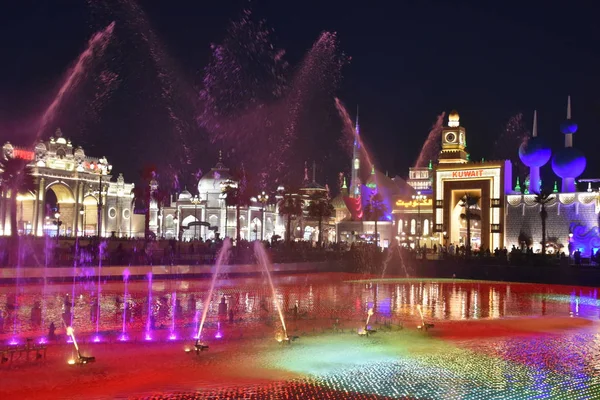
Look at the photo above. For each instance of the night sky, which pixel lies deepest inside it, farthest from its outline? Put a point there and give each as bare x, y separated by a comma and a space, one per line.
409, 62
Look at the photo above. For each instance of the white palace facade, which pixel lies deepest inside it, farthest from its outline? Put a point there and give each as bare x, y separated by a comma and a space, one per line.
74, 194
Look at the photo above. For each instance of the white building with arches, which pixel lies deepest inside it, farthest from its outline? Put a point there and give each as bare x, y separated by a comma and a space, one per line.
205, 215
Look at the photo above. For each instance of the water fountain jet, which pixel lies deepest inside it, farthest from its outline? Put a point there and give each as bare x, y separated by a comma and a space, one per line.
80, 359
263, 260
424, 326
199, 345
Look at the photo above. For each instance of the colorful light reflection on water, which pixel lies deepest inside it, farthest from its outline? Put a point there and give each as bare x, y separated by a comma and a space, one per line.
468, 355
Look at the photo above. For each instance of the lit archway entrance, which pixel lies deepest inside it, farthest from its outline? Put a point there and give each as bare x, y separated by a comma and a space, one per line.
59, 198
90, 216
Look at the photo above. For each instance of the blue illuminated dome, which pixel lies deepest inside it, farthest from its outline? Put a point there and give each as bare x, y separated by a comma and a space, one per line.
569, 126
535, 152
568, 162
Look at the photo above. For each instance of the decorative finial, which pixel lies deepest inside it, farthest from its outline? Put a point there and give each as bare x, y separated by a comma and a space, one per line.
534, 133
357, 126
305, 172
220, 156
344, 185
518, 185
430, 164
555, 190
372, 169
58, 133
568, 107
453, 119
314, 168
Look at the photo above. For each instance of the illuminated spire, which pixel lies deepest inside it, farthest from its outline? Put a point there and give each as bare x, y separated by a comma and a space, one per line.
305, 172
568, 107
534, 133
314, 168
344, 186
518, 185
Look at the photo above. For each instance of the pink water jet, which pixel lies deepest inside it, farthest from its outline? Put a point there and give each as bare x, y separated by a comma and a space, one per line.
248, 102
433, 143
220, 260
96, 46
263, 260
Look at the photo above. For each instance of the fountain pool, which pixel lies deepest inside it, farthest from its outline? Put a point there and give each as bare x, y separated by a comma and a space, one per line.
490, 340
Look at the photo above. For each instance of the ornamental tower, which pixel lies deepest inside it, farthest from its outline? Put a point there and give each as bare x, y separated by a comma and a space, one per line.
454, 142
355, 179
568, 163
534, 153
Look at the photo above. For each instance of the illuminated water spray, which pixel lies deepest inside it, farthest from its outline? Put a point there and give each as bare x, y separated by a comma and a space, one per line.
101, 248
148, 336
125, 305
80, 359
220, 260
263, 260
173, 335
96, 46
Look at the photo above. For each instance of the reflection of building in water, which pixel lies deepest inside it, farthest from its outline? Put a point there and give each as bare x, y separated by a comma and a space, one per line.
74, 194
494, 304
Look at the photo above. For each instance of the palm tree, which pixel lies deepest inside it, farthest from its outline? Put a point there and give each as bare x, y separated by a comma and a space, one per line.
232, 198
290, 205
144, 194
375, 210
16, 178
320, 207
542, 199
468, 202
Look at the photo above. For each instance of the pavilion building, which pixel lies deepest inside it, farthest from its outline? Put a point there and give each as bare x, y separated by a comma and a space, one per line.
74, 194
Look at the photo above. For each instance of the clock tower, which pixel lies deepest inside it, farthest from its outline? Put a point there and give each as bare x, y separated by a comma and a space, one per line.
454, 142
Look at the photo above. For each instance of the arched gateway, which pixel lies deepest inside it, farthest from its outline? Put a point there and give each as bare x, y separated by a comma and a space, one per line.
73, 192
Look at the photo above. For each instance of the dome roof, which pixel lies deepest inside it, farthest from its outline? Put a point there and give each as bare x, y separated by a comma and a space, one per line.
568, 162
569, 126
453, 118
211, 182
338, 201
535, 152
185, 195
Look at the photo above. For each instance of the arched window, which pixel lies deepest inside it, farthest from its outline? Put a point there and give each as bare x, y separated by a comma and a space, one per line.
426, 227
413, 226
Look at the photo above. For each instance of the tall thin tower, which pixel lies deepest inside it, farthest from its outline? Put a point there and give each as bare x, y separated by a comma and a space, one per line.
355, 180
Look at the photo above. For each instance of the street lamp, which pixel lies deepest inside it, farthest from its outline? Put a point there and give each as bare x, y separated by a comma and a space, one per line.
58, 222
195, 201
263, 198
419, 198
81, 213
103, 168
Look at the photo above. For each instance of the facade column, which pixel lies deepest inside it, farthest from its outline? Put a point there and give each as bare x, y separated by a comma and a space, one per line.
76, 215
249, 229
105, 208
41, 207
36, 210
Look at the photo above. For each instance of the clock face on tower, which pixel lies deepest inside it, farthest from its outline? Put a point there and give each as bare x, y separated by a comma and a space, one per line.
450, 137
